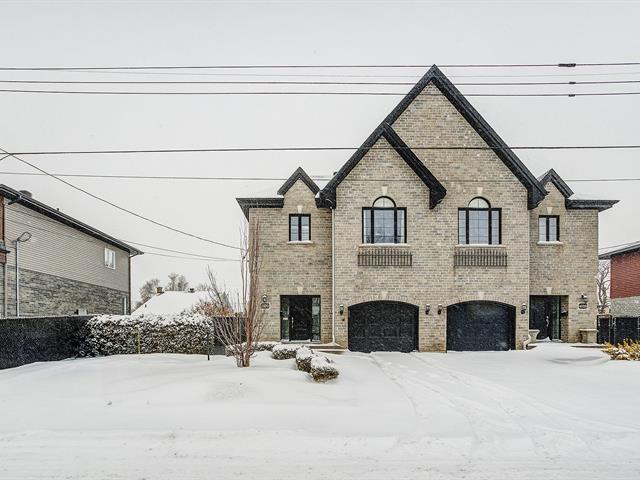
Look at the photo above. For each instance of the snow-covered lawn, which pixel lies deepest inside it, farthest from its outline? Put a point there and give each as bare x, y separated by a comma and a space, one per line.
556, 412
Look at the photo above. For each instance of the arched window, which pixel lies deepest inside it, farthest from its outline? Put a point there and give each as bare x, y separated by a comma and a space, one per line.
383, 222
479, 224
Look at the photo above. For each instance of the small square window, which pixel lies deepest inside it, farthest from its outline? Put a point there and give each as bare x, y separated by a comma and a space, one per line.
110, 258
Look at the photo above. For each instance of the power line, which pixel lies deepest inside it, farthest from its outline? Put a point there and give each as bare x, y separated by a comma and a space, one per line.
130, 212
266, 179
387, 94
53, 222
194, 258
323, 149
303, 82
300, 66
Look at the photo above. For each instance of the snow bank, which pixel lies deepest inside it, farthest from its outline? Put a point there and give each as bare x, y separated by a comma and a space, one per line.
303, 359
322, 369
122, 334
283, 352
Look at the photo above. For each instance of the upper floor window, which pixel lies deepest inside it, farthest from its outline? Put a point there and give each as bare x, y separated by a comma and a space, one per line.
548, 228
479, 224
299, 227
109, 258
384, 222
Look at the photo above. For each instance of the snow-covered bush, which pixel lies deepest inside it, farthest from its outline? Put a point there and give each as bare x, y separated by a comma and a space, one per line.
627, 350
283, 351
176, 333
258, 347
303, 359
323, 369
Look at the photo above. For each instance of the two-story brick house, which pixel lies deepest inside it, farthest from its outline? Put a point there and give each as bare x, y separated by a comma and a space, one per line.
625, 279
433, 236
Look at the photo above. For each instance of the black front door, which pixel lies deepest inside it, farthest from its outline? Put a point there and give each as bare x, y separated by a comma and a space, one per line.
300, 318
544, 315
383, 326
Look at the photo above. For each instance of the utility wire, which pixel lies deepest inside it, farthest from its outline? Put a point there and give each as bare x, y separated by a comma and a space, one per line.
302, 82
264, 179
378, 94
299, 66
130, 212
323, 149
194, 258
42, 218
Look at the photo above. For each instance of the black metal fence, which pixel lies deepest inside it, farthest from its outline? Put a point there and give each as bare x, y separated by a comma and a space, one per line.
480, 257
385, 257
617, 329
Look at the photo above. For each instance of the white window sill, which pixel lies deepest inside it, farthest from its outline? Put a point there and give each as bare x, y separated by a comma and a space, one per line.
481, 245
403, 245
550, 243
300, 242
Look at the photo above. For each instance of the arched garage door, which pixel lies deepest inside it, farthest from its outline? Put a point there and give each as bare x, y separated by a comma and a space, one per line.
383, 326
481, 325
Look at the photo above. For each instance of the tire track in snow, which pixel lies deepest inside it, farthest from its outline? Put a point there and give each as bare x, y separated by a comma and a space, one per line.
401, 378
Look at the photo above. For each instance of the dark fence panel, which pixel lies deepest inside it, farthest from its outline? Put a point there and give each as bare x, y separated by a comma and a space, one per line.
40, 339
617, 329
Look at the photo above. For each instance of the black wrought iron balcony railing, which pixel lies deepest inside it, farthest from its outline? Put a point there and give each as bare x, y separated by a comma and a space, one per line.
384, 257
480, 256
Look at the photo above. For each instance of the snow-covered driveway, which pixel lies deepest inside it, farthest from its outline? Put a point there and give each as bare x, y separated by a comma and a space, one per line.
556, 412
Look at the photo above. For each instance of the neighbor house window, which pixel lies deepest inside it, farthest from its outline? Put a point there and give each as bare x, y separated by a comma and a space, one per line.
109, 258
548, 228
299, 227
479, 224
384, 222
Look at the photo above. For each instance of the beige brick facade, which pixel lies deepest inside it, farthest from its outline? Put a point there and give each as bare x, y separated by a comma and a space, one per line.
566, 269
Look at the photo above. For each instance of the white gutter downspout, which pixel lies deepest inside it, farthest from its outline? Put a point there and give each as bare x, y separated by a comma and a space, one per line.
17, 245
333, 276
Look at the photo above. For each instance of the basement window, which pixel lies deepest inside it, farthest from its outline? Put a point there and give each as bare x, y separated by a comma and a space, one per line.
109, 258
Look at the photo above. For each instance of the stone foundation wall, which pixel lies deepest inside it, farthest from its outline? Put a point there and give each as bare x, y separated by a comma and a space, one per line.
46, 295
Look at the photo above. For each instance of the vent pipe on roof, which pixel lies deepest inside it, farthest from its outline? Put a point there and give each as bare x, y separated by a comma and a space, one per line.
26, 193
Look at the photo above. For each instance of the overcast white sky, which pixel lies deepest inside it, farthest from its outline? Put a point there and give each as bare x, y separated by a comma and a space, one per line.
198, 33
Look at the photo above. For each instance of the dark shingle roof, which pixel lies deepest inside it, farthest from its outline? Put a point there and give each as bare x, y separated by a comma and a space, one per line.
535, 192
299, 174
16, 196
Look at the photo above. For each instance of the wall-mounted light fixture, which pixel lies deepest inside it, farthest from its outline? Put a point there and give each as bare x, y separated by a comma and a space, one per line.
584, 298
427, 309
265, 299
523, 308
341, 309
440, 307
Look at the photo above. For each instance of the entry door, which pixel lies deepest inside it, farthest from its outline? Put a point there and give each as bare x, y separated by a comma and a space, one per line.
300, 318
545, 316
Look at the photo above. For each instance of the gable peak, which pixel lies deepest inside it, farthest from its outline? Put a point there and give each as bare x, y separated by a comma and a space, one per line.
299, 174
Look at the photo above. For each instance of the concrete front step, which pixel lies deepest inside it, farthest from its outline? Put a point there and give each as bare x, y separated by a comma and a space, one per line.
327, 348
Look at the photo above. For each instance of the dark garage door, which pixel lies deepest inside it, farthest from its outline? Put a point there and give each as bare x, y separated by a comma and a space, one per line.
383, 326
480, 326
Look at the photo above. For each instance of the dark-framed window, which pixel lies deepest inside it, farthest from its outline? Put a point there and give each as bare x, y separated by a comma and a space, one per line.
383, 222
299, 227
479, 224
548, 228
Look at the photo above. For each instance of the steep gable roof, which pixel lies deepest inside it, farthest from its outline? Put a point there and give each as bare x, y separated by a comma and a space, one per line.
436, 189
299, 174
535, 192
571, 202
553, 177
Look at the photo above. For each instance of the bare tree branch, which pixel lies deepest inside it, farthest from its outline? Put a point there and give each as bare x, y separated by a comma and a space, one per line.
603, 283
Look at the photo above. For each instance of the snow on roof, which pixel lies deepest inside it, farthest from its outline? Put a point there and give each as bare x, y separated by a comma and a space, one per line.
170, 302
